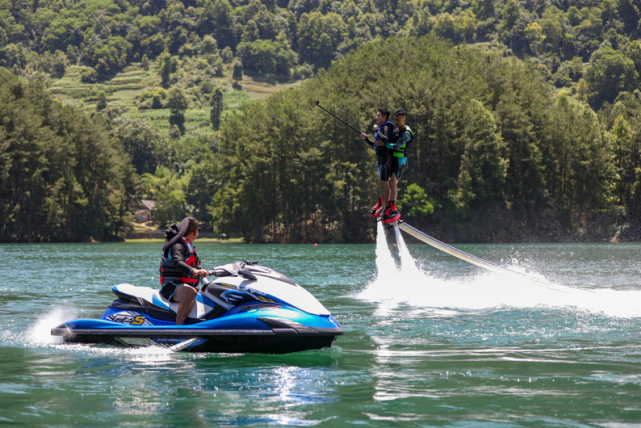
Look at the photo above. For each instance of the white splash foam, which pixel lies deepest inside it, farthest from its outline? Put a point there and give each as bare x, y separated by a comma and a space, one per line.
40, 331
393, 286
407, 261
419, 289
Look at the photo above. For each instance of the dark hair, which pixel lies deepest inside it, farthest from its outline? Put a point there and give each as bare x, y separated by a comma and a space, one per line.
400, 112
384, 111
193, 225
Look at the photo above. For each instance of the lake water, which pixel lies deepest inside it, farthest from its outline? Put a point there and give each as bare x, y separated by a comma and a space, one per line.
437, 342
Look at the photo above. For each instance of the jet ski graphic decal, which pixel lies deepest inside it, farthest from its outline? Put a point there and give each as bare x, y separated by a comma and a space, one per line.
131, 318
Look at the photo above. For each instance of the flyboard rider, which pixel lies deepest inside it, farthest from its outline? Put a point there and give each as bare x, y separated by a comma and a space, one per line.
383, 133
180, 266
390, 143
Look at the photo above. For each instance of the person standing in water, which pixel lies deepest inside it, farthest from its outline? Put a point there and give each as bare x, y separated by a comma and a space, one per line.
383, 133
180, 266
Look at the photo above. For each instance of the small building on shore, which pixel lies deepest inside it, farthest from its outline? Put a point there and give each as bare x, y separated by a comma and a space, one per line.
145, 211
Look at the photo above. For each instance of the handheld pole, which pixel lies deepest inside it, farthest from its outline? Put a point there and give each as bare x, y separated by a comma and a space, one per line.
321, 107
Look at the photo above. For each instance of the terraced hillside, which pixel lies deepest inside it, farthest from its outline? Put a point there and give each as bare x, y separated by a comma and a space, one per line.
123, 89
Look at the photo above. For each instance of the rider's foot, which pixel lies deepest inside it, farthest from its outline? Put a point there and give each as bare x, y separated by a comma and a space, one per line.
376, 209
391, 214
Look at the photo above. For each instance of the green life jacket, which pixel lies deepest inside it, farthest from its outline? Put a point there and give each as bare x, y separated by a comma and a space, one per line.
400, 152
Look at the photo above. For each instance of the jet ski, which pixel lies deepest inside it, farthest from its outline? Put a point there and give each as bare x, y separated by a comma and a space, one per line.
247, 308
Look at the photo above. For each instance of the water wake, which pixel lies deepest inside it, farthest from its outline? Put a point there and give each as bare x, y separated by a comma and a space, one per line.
408, 285
40, 332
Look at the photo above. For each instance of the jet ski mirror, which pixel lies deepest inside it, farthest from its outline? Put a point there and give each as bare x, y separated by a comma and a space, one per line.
245, 273
230, 269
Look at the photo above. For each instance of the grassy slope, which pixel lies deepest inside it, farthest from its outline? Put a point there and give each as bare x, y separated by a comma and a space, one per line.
122, 90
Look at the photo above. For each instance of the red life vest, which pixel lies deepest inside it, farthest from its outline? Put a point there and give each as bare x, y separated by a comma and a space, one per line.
170, 273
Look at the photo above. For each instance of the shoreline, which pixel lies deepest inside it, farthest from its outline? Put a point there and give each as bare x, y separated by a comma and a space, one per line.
222, 241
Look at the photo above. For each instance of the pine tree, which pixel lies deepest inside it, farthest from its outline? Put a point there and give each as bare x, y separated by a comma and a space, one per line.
102, 101
216, 111
165, 69
238, 71
582, 90
177, 104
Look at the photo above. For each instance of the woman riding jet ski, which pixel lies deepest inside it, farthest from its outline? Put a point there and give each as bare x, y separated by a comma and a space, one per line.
253, 309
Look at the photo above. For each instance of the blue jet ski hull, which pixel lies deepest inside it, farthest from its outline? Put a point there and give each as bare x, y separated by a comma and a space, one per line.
246, 329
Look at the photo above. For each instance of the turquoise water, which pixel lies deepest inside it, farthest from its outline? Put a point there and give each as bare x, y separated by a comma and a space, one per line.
439, 344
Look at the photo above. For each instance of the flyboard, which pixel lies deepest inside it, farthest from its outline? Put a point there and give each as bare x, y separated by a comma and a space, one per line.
475, 260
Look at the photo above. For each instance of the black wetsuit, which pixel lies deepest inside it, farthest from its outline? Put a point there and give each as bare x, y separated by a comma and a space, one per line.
385, 161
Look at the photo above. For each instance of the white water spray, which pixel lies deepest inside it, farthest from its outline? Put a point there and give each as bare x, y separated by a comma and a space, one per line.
413, 287
407, 261
40, 331
393, 286
384, 261
40, 334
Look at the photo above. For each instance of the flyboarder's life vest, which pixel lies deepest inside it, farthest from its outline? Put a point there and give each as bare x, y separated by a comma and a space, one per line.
400, 152
170, 273
376, 136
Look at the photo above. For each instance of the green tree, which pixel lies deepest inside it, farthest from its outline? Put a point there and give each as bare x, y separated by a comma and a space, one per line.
629, 14
140, 141
483, 170
167, 189
102, 101
483, 9
238, 71
511, 14
216, 19
200, 188
318, 38
250, 32
259, 56
627, 158
414, 202
582, 90
108, 56
552, 27
165, 69
446, 27
177, 104
285, 60
608, 74
208, 46
512, 28
216, 111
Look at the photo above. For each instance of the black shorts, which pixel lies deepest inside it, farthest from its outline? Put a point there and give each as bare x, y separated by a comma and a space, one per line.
169, 289
388, 165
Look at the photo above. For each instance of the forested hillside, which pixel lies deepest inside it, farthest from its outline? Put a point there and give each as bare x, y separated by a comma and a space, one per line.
60, 177
565, 41
499, 157
528, 116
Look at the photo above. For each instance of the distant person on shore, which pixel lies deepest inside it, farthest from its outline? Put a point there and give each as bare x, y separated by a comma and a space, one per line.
383, 133
180, 266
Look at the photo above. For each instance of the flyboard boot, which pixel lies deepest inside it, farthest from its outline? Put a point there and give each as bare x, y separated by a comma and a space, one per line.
391, 214
376, 217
